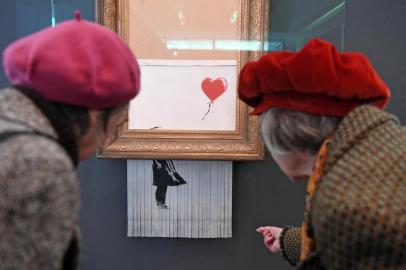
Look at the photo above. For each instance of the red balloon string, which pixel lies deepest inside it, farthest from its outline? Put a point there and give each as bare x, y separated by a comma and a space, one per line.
210, 103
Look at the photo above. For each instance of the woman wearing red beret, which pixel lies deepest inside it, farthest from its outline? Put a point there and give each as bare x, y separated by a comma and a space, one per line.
69, 83
322, 122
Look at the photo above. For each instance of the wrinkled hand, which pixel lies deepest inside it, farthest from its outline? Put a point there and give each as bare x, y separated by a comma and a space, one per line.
271, 237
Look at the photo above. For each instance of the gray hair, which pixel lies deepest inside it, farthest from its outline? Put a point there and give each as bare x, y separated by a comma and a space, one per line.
287, 131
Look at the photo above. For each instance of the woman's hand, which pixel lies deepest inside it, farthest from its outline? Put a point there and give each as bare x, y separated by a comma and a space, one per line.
271, 237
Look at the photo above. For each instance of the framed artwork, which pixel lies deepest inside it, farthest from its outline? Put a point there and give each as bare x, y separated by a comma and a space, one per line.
190, 54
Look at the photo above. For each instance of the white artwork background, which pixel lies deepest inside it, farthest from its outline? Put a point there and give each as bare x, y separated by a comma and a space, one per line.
202, 208
171, 97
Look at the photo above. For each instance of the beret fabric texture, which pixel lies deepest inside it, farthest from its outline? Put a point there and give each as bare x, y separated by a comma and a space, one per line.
318, 80
77, 62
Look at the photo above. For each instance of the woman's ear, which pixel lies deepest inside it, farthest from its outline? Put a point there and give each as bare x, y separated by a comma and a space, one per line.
94, 118
77, 131
89, 141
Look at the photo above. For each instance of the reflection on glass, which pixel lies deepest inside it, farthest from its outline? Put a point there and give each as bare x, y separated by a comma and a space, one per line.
181, 17
224, 45
192, 29
62, 10
189, 44
330, 14
293, 23
234, 17
53, 20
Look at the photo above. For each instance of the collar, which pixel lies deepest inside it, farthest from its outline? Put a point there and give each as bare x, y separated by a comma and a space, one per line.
20, 113
31, 112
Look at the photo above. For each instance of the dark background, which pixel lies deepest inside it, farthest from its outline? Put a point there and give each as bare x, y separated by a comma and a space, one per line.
261, 194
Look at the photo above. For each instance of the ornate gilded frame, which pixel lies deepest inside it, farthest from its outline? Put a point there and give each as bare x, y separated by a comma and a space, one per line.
243, 144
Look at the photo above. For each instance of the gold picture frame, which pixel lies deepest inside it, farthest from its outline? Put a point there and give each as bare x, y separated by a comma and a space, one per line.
244, 143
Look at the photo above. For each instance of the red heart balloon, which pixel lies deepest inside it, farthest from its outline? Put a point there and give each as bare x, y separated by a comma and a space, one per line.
214, 88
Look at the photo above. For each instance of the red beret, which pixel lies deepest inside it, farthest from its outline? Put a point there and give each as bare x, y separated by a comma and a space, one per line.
317, 80
76, 62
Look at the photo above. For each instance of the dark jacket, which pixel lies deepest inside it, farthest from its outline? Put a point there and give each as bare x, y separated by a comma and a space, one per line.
358, 212
165, 174
39, 192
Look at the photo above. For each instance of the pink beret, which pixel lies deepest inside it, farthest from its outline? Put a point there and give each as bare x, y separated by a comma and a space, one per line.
76, 62
317, 80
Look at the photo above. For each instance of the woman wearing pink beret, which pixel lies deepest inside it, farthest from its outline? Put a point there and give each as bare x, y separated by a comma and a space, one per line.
68, 84
322, 122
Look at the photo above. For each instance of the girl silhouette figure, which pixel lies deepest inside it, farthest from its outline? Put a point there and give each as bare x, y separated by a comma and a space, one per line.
164, 175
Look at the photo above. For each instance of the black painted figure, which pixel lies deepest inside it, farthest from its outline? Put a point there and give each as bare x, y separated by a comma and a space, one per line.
164, 175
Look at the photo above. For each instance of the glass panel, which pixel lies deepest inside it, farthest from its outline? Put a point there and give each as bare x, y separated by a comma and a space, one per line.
62, 10
294, 22
196, 58
181, 29
23, 17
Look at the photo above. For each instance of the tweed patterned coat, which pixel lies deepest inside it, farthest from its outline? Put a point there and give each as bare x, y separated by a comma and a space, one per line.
39, 192
358, 213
